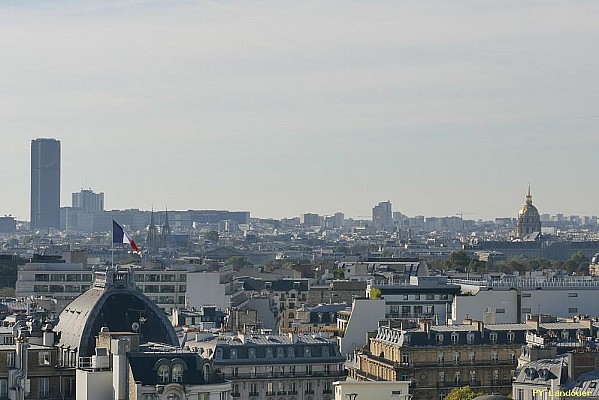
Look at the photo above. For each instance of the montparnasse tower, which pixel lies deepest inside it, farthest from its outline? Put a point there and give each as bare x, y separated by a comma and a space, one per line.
529, 220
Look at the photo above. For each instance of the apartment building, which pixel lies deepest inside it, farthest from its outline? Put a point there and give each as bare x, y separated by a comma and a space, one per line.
438, 358
286, 367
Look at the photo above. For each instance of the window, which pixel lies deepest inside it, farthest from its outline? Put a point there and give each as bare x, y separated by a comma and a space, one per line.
472, 376
44, 387
572, 310
442, 377
470, 338
269, 389
163, 373
456, 358
290, 352
454, 338
439, 338
406, 297
280, 352
10, 359
405, 358
177, 373
307, 351
416, 297
69, 386
500, 310
456, 378
309, 369
526, 311
493, 337
44, 358
495, 376
495, 357
269, 353
565, 335
3, 387
472, 358
513, 358
252, 353
520, 394
204, 396
510, 337
325, 351
430, 297
441, 358
526, 295
309, 387
572, 294
233, 354
253, 389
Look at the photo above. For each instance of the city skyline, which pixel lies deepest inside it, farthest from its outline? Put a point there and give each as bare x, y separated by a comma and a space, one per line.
282, 109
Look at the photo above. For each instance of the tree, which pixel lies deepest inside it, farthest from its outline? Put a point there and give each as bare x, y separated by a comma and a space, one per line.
212, 236
7, 292
463, 393
578, 263
458, 260
238, 262
375, 293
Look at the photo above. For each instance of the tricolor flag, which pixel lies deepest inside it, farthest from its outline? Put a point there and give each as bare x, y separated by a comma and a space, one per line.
120, 236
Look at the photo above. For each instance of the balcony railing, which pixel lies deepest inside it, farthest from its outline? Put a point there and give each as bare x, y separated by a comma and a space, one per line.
268, 375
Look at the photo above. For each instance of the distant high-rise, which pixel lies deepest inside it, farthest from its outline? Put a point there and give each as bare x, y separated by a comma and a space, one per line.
382, 215
45, 183
87, 200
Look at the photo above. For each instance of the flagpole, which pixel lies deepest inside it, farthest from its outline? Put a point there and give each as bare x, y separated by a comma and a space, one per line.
112, 245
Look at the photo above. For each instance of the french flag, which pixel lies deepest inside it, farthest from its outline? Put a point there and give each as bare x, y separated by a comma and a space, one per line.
120, 236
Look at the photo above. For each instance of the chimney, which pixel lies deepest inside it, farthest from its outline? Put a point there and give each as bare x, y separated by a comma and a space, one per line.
120, 348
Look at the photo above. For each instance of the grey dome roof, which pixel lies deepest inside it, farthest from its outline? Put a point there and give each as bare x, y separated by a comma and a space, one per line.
115, 303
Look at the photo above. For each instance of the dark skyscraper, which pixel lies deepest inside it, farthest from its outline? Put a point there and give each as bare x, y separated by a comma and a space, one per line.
45, 183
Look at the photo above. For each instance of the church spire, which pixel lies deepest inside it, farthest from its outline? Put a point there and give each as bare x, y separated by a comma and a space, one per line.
528, 197
152, 232
165, 230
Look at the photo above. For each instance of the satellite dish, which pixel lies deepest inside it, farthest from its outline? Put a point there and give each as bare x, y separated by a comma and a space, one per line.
135, 326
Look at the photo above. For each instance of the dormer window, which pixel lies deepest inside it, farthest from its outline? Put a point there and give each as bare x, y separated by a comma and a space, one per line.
439, 338
565, 335
493, 337
252, 353
269, 353
164, 373
290, 352
470, 338
455, 337
280, 352
177, 373
233, 354
510, 337
307, 351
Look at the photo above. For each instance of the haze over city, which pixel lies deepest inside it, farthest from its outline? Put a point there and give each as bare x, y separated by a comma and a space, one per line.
286, 108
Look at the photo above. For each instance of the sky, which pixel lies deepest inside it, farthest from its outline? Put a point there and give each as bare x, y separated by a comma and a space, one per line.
285, 107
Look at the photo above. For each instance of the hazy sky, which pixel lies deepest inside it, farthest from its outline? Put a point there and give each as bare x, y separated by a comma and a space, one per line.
285, 107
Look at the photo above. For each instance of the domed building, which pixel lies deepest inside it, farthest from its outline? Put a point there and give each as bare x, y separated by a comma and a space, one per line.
528, 226
113, 303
